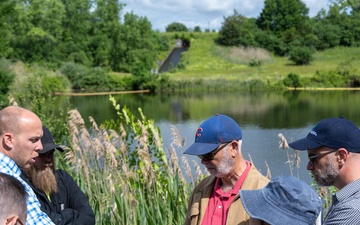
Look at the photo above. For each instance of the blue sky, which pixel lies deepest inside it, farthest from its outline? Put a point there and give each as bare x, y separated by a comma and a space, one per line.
204, 13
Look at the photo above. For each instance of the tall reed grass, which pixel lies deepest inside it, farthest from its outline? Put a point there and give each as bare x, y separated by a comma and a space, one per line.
128, 176
125, 172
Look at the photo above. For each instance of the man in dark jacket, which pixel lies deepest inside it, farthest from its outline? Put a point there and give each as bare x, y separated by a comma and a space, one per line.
60, 197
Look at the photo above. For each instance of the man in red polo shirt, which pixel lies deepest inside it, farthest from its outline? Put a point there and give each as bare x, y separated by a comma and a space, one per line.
215, 200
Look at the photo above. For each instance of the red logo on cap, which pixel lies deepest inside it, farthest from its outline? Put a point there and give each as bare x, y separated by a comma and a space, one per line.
197, 132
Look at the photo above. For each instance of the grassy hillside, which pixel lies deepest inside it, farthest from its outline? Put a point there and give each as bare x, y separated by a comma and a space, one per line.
205, 59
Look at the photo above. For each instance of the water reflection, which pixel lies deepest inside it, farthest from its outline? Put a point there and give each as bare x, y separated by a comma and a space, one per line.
261, 115
289, 109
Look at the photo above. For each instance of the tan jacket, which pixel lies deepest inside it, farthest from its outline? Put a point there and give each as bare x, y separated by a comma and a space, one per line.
237, 215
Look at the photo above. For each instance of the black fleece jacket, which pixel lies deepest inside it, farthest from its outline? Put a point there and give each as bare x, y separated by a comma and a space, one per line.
69, 206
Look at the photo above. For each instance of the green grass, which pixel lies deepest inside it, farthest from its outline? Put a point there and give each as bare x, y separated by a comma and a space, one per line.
205, 60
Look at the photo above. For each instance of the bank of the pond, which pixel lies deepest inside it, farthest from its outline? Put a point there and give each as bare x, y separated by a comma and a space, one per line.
100, 93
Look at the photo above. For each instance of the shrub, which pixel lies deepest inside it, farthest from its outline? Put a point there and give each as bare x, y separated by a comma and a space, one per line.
96, 79
35, 93
292, 80
73, 71
253, 85
301, 55
255, 63
6, 77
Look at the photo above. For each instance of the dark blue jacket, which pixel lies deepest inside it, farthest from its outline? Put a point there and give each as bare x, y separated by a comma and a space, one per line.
69, 205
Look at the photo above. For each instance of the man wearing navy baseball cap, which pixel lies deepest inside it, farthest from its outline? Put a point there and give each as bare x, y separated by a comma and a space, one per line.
333, 147
215, 200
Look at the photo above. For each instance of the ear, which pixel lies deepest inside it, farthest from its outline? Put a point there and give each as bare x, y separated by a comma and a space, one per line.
12, 220
234, 148
8, 141
342, 155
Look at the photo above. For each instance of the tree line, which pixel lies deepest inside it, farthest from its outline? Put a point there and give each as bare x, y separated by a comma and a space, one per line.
94, 33
285, 28
73, 36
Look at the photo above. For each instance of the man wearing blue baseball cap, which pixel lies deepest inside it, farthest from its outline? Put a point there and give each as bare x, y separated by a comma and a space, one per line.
333, 147
215, 200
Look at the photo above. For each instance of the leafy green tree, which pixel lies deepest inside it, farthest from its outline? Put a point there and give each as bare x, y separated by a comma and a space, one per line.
176, 27
38, 30
328, 34
76, 32
197, 29
137, 44
7, 10
6, 78
106, 28
237, 30
279, 16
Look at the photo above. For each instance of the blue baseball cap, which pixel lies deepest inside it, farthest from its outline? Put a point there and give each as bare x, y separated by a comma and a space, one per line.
284, 200
212, 132
332, 132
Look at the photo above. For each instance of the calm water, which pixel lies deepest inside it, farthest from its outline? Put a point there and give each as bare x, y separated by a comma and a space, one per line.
262, 116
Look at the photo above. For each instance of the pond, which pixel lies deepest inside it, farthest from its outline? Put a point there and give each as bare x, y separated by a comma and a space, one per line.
261, 116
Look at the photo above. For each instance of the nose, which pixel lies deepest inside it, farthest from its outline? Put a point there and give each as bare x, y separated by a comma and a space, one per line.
310, 166
39, 147
204, 161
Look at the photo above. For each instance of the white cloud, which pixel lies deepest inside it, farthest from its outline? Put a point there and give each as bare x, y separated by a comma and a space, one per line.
204, 13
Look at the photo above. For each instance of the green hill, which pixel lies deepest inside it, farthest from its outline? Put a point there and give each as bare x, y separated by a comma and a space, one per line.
207, 60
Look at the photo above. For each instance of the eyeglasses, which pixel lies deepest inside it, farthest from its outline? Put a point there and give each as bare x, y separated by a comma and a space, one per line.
312, 159
210, 156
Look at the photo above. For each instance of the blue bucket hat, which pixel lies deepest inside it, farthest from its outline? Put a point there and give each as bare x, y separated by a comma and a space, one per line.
332, 132
285, 200
212, 132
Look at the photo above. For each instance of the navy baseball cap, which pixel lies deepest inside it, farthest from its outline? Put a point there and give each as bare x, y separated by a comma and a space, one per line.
48, 143
332, 132
285, 200
212, 132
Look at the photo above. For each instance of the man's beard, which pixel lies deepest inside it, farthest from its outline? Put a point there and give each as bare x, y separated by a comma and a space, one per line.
225, 166
327, 177
44, 180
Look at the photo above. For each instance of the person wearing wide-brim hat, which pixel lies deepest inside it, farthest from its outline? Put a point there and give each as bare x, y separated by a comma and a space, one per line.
285, 200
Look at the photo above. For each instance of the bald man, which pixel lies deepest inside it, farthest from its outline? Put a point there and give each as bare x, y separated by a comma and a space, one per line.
20, 135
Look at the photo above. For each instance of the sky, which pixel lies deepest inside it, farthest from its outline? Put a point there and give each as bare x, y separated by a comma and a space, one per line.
208, 14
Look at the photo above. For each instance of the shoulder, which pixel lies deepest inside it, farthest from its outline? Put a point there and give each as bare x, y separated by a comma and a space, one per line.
255, 179
206, 182
63, 175
344, 213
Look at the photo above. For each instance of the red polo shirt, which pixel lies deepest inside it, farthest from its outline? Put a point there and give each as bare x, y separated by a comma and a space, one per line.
219, 202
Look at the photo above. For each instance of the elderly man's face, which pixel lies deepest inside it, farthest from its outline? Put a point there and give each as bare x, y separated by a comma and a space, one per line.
221, 163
